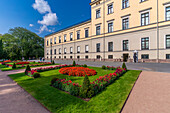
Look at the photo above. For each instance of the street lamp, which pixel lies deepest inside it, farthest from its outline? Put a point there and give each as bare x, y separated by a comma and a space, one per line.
51, 52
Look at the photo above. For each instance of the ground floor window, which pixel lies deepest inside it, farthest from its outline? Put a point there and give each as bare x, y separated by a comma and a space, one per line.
59, 57
78, 57
65, 57
167, 56
110, 56
47, 57
86, 57
55, 57
98, 56
145, 56
71, 57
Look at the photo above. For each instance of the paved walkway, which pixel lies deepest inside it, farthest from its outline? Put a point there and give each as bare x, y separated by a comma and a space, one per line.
13, 99
151, 94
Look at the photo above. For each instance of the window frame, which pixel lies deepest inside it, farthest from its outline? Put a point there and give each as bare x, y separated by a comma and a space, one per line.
71, 36
145, 43
98, 32
78, 49
78, 35
127, 45
167, 47
109, 27
145, 18
110, 49
98, 13
166, 12
86, 51
110, 9
126, 23
125, 4
98, 47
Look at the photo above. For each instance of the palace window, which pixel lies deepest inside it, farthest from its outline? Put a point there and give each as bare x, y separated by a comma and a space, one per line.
168, 13
98, 56
78, 35
86, 33
97, 30
59, 50
145, 56
55, 40
65, 38
167, 56
110, 46
71, 50
98, 47
144, 19
65, 51
110, 27
110, 8
110, 56
98, 13
168, 41
145, 43
125, 45
86, 49
55, 51
125, 4
86, 57
47, 42
51, 41
59, 39
125, 23
71, 36
78, 49
71, 57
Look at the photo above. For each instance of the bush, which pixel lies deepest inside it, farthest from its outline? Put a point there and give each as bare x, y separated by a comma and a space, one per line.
74, 63
27, 69
103, 67
124, 66
53, 62
14, 66
36, 75
84, 65
86, 90
34, 62
53, 80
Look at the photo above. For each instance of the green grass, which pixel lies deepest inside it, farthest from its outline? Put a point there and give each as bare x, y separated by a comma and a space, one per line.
110, 100
4, 68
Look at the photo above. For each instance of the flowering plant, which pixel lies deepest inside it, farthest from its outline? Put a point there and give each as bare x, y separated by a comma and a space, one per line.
30, 73
20, 63
7, 61
77, 71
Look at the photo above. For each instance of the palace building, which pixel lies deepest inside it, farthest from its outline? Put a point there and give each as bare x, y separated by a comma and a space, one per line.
119, 30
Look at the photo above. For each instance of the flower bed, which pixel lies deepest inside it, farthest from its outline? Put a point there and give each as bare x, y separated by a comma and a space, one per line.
98, 85
21, 63
77, 71
7, 61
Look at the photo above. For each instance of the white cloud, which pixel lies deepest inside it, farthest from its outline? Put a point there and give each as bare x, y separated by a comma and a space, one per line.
31, 25
42, 6
49, 19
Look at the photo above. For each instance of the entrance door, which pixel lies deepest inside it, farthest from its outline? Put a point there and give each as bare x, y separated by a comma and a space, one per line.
125, 57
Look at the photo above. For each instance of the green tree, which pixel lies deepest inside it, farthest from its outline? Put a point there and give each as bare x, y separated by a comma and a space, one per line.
1, 49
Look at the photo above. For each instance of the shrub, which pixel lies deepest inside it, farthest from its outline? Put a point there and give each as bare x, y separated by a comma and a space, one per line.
74, 63
86, 91
27, 69
124, 66
34, 62
14, 66
53, 80
53, 62
103, 67
36, 75
84, 65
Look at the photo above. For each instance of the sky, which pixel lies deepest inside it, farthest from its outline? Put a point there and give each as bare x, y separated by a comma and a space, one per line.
42, 16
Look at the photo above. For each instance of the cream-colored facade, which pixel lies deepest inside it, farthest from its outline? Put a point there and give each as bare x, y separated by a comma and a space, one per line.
146, 33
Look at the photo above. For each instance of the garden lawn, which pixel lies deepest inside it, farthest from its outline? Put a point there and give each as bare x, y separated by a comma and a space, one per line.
110, 100
4, 68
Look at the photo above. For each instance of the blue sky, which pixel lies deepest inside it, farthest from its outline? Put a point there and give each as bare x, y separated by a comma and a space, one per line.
42, 16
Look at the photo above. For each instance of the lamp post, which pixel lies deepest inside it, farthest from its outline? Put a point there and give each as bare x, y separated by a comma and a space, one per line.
51, 52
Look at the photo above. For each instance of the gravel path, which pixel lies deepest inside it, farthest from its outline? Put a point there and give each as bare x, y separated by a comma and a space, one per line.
13, 99
151, 94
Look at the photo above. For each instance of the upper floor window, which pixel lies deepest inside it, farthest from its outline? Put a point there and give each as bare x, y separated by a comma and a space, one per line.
125, 45
78, 49
110, 8
59, 39
142, 0
47, 52
71, 36
65, 38
97, 30
144, 19
110, 46
86, 33
98, 13
65, 51
98, 47
86, 48
47, 42
125, 4
110, 27
71, 50
125, 23
78, 35
55, 51
145, 43
168, 41
168, 13
51, 41
59, 50
55, 40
